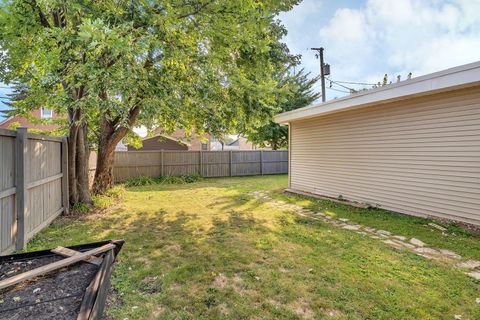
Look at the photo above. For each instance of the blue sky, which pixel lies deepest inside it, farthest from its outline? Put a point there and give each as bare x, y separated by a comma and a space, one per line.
364, 39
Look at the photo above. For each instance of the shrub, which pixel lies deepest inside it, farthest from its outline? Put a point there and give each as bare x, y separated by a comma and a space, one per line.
116, 192
139, 181
80, 208
146, 181
102, 201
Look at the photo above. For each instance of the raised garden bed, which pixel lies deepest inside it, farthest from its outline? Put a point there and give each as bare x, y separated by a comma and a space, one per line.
75, 291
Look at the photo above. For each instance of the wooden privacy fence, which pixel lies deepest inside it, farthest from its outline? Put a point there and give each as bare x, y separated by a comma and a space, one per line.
33, 185
130, 164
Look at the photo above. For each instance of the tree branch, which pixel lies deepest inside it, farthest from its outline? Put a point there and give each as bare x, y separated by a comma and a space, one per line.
41, 15
196, 11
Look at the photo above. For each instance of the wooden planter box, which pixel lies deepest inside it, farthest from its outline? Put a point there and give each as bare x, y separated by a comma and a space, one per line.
78, 291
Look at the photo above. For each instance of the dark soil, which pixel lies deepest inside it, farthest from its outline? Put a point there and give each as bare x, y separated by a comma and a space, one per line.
57, 295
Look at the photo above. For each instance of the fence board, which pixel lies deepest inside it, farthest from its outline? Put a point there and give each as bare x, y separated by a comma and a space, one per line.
275, 162
246, 163
131, 164
33, 185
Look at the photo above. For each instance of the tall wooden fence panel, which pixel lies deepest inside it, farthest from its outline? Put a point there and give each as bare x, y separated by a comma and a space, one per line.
131, 164
33, 185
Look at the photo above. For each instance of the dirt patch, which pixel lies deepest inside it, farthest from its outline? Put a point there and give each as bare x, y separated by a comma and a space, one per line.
173, 249
223, 309
302, 308
57, 295
145, 261
220, 281
333, 313
157, 312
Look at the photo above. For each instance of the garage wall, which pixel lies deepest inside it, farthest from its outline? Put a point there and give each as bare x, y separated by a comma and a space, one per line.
419, 156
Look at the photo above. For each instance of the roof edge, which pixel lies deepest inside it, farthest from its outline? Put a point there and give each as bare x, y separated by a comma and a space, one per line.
445, 80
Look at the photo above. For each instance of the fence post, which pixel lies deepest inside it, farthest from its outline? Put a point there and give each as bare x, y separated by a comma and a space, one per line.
200, 163
161, 165
231, 162
65, 196
261, 162
21, 149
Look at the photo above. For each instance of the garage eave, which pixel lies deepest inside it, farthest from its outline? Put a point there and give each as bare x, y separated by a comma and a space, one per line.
451, 79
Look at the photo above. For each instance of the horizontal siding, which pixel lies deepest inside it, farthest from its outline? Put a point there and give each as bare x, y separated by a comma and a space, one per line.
419, 156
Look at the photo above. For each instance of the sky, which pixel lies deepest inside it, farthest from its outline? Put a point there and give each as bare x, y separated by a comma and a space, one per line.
366, 39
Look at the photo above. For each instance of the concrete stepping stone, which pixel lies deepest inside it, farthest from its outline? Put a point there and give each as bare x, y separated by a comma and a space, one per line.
426, 251
450, 254
384, 232
368, 229
392, 243
398, 244
401, 238
405, 244
343, 219
436, 226
474, 274
469, 264
417, 242
351, 227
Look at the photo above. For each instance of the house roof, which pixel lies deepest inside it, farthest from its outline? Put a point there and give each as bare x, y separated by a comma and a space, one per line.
450, 79
167, 137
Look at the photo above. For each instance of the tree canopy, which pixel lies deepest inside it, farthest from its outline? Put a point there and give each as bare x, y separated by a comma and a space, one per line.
297, 92
109, 65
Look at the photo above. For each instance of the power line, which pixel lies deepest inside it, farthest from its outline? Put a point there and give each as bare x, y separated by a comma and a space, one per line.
339, 90
359, 83
341, 85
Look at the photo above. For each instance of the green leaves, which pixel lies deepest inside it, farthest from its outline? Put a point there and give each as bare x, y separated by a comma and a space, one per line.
203, 65
295, 91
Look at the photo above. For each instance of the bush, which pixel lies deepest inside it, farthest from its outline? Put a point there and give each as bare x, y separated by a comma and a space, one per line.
79, 208
139, 181
147, 181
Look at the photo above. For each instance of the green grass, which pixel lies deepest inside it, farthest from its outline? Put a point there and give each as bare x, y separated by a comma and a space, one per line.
209, 250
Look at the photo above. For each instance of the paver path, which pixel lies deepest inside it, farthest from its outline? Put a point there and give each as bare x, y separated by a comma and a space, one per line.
469, 267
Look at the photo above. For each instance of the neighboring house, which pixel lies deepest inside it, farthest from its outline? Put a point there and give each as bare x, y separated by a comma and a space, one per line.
40, 113
234, 143
411, 147
178, 140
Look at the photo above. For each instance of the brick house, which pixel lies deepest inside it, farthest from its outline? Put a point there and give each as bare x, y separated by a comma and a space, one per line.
40, 113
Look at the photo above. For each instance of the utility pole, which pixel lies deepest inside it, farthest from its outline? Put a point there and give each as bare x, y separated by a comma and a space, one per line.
324, 70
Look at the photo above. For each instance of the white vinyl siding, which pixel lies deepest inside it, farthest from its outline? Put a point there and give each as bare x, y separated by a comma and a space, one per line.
419, 156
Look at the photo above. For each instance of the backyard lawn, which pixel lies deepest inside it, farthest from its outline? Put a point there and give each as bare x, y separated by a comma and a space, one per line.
213, 250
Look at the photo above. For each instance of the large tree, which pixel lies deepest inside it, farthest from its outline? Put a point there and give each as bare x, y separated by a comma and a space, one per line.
203, 65
297, 91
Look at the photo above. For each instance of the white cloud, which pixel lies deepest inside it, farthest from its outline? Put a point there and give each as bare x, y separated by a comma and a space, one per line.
396, 37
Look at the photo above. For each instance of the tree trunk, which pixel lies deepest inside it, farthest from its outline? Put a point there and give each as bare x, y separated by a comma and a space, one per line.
107, 142
104, 171
78, 154
83, 154
110, 135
